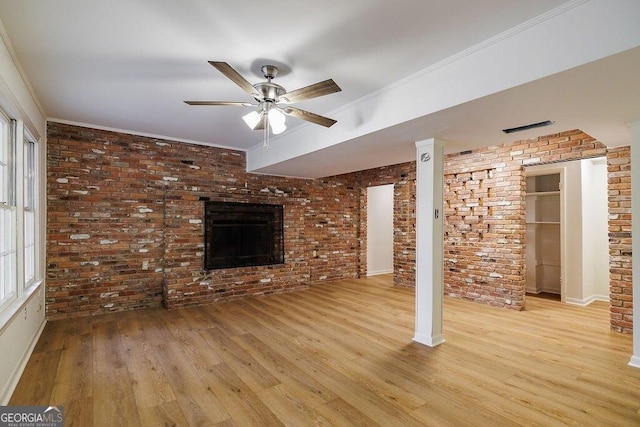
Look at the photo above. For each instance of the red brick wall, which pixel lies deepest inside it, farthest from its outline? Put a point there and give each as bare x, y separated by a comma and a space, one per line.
403, 178
484, 229
619, 187
485, 226
485, 216
125, 224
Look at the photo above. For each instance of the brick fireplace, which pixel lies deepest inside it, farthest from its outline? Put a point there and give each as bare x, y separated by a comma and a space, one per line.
125, 224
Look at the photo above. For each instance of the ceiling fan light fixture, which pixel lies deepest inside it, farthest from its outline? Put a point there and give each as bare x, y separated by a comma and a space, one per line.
277, 121
276, 116
278, 128
252, 119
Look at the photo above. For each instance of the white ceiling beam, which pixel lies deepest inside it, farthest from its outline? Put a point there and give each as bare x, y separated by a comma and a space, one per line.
575, 34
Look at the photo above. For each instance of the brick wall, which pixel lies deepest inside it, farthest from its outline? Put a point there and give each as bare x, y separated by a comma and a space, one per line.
485, 215
485, 223
619, 187
403, 178
125, 222
125, 225
485, 219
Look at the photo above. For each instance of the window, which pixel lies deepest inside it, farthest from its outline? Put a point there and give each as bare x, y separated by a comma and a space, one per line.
8, 259
30, 173
20, 220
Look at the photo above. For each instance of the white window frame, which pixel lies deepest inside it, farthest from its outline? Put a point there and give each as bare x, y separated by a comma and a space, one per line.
21, 218
30, 203
8, 212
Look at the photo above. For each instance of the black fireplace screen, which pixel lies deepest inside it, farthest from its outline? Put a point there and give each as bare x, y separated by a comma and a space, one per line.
242, 234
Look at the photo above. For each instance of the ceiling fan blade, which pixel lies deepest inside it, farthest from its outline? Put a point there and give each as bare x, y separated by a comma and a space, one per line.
238, 104
309, 116
312, 91
234, 76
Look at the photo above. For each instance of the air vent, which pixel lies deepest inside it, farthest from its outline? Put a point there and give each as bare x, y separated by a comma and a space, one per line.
527, 127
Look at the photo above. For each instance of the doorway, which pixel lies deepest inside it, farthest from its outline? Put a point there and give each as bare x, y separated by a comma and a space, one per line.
380, 229
566, 215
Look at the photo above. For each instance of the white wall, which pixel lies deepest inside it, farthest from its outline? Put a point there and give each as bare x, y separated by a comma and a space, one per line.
573, 232
595, 230
22, 322
380, 229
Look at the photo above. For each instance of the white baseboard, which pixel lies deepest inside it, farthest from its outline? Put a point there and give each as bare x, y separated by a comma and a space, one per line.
536, 291
377, 272
634, 362
585, 302
429, 341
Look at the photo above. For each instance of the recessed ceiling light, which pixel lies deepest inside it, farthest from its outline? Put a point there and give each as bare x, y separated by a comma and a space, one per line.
527, 127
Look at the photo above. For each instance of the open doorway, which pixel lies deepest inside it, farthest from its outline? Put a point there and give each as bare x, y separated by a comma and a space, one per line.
567, 231
380, 229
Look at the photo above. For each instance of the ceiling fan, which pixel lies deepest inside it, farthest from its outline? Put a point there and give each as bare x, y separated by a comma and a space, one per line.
272, 100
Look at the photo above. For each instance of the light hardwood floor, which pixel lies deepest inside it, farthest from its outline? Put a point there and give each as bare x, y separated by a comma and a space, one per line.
337, 354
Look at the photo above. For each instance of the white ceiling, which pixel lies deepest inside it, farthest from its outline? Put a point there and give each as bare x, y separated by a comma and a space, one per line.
128, 65
601, 98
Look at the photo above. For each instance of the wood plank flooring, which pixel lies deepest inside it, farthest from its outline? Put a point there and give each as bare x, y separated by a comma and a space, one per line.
336, 354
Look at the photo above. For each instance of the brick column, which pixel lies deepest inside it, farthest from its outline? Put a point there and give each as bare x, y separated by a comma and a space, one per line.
429, 242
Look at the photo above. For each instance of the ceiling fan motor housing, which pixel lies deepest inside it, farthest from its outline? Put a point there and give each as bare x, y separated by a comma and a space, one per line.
269, 71
269, 92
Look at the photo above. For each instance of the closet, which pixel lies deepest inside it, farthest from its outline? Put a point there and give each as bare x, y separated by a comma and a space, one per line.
567, 241
543, 255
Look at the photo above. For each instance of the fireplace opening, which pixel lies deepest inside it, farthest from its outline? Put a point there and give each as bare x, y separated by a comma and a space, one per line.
242, 235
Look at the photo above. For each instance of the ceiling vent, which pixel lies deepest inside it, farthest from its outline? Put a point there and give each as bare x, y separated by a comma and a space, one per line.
527, 127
